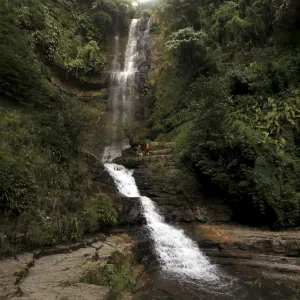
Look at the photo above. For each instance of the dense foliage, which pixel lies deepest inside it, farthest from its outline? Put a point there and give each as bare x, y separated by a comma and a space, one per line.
68, 33
117, 273
46, 191
228, 92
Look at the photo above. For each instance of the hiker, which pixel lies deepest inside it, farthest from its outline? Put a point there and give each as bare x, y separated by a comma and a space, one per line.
147, 148
139, 150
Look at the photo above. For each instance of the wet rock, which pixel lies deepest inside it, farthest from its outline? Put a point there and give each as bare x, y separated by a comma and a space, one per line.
11, 271
193, 213
246, 247
98, 172
163, 185
141, 278
142, 281
53, 275
130, 211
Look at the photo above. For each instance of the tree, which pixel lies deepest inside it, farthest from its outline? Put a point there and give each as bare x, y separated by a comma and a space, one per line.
188, 48
130, 131
89, 60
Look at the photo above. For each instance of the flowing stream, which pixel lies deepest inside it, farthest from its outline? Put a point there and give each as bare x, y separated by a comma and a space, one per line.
179, 257
176, 252
185, 273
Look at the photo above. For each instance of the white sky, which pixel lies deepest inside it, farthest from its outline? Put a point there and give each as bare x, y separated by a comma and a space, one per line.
136, 2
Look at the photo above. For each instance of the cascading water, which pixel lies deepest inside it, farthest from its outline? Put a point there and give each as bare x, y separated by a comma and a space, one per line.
123, 81
122, 92
176, 252
186, 272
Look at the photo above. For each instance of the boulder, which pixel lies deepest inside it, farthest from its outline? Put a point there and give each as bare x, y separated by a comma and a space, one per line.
130, 211
97, 170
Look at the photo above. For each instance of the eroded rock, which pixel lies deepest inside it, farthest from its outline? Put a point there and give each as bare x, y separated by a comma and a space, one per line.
246, 247
130, 211
58, 276
10, 271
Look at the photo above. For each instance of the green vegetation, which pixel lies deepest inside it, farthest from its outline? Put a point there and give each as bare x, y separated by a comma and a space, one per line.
289, 288
116, 273
227, 93
68, 33
46, 192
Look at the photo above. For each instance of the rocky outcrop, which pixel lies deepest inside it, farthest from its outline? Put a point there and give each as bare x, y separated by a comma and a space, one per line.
247, 239
99, 175
78, 86
245, 247
175, 191
129, 209
130, 212
50, 275
208, 221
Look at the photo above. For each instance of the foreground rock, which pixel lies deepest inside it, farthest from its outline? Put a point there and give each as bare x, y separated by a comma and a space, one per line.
52, 275
243, 247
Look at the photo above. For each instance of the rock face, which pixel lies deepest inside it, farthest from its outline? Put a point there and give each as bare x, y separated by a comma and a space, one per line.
208, 222
128, 209
175, 191
72, 84
99, 175
144, 47
130, 212
245, 247
58, 276
10, 272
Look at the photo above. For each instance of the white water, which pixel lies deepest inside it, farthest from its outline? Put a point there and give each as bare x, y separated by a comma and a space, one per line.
123, 81
177, 253
122, 93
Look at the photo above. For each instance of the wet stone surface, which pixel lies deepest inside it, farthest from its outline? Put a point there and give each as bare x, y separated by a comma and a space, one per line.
58, 276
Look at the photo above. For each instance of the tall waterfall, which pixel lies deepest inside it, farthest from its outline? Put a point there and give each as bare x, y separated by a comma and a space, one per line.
122, 92
177, 253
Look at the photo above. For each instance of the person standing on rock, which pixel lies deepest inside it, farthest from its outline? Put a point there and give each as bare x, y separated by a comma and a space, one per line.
147, 148
139, 151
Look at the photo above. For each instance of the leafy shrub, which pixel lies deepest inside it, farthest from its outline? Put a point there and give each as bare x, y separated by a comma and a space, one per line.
45, 187
247, 154
117, 273
99, 212
189, 49
89, 60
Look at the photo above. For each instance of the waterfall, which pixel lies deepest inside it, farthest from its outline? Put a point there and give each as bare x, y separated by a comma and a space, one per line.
177, 253
115, 63
122, 92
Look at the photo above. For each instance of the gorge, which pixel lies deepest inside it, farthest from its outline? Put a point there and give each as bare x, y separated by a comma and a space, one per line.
211, 212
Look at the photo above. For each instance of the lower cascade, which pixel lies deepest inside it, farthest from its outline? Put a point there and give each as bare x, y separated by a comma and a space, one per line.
177, 253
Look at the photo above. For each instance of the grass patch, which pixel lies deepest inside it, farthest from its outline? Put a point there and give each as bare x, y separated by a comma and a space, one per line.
116, 273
